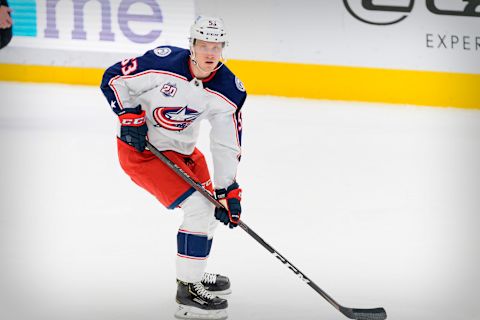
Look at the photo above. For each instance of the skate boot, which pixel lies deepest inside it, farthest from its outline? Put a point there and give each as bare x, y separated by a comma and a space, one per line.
216, 284
194, 302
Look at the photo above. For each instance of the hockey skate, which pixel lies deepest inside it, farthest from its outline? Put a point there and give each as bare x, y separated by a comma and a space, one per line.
194, 302
216, 284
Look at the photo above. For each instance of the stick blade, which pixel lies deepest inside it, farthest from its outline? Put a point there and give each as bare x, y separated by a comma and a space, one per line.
364, 314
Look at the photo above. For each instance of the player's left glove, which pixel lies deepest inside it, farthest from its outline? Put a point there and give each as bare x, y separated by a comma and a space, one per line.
230, 198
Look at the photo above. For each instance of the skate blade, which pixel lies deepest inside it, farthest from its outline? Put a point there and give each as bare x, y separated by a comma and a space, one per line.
221, 293
193, 313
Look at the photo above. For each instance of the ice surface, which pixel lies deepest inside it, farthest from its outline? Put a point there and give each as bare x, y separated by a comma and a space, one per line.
377, 204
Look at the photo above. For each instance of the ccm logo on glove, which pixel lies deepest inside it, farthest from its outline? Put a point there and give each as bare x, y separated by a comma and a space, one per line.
134, 120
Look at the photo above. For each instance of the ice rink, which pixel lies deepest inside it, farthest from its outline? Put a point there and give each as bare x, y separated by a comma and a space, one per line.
379, 205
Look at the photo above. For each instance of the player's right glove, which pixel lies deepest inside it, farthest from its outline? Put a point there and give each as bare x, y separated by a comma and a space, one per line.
134, 128
230, 198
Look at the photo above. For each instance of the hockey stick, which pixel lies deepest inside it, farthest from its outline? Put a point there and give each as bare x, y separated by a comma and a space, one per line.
352, 313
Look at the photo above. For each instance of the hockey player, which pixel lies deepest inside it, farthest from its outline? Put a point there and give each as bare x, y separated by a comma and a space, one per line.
162, 96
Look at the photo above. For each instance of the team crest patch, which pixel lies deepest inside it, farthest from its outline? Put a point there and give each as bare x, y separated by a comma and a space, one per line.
239, 84
175, 118
162, 52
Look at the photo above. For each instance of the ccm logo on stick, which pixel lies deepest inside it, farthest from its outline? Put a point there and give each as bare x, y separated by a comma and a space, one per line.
298, 273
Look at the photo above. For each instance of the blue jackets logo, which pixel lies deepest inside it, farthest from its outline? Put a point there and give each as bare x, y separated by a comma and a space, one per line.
162, 52
175, 118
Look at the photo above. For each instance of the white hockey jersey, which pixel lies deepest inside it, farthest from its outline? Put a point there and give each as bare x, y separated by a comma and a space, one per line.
175, 102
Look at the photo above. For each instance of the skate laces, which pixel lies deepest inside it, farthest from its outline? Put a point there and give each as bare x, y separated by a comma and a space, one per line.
202, 292
209, 278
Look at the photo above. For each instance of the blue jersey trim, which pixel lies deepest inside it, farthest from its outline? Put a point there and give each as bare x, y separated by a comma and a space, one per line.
224, 82
180, 199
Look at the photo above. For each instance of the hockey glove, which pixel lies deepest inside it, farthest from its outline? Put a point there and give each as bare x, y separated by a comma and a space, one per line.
134, 129
230, 198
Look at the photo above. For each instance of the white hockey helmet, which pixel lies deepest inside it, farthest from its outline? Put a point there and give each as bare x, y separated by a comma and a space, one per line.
208, 29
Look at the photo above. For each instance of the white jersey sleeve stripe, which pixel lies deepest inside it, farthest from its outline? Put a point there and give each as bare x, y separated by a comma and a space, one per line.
236, 133
223, 97
115, 91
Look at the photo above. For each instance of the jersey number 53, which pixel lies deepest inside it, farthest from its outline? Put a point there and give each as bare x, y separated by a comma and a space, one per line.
129, 66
